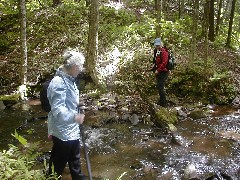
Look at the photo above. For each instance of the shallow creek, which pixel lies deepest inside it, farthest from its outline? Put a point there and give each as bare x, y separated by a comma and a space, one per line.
202, 149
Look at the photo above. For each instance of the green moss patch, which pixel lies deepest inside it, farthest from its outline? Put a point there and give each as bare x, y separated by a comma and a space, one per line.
13, 97
166, 116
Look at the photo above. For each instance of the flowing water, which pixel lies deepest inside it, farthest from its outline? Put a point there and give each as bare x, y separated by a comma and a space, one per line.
206, 148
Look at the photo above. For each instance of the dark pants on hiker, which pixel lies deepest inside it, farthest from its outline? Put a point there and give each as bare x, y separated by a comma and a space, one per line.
161, 80
66, 152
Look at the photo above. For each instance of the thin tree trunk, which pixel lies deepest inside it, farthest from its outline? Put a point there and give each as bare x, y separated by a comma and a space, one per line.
219, 16
238, 10
88, 2
205, 22
239, 25
183, 6
23, 20
93, 40
166, 8
180, 8
205, 30
158, 9
231, 24
211, 21
227, 9
194, 32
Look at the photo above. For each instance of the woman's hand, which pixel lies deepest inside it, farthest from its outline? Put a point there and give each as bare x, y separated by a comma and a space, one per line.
79, 118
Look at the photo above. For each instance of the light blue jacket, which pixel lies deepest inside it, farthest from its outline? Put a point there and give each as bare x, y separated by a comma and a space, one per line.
63, 96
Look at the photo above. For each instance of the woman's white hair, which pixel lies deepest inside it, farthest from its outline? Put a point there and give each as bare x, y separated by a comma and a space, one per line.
72, 57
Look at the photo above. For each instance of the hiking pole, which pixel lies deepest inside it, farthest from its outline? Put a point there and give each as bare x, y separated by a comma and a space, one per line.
85, 147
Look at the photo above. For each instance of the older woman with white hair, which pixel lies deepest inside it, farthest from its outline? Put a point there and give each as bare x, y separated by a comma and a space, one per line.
64, 119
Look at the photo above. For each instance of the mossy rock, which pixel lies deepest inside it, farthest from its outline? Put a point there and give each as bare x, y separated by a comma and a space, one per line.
10, 97
197, 113
165, 116
10, 100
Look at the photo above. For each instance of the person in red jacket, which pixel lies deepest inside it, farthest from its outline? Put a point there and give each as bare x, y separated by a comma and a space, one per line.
160, 60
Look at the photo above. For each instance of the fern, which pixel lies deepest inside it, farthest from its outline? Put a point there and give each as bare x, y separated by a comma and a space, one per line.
21, 139
18, 162
120, 177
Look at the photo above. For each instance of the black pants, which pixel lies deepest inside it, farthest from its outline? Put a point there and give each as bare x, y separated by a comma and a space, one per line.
63, 152
161, 80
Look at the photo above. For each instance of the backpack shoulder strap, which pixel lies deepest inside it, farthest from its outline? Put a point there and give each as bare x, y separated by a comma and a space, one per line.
61, 76
154, 56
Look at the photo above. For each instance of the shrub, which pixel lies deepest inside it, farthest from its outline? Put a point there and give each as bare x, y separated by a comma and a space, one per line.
206, 84
18, 162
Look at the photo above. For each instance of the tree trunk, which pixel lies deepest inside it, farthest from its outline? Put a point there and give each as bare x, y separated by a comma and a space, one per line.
165, 6
219, 16
205, 22
231, 24
180, 8
93, 40
88, 2
205, 30
194, 32
211, 21
226, 10
158, 9
22, 7
239, 25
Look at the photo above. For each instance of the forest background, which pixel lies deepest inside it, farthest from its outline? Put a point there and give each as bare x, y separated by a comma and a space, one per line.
116, 38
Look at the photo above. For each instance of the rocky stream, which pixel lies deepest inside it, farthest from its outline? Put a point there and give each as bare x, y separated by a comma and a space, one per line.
127, 143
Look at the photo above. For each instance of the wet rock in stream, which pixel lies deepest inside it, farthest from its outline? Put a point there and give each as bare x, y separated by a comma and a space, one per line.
230, 135
236, 102
197, 113
181, 141
190, 172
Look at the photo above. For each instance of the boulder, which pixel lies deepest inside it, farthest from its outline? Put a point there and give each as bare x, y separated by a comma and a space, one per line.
197, 113
236, 102
2, 106
165, 117
10, 100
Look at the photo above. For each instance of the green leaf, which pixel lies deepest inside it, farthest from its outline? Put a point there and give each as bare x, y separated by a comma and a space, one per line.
21, 139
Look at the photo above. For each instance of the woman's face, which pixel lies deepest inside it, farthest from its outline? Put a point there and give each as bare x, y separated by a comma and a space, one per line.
76, 69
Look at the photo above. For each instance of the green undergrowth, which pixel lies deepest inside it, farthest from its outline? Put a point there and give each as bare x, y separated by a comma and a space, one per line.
204, 83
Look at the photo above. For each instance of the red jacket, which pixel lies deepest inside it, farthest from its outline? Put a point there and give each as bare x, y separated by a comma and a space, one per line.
161, 59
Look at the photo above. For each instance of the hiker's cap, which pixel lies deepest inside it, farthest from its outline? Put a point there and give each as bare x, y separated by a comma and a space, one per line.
157, 42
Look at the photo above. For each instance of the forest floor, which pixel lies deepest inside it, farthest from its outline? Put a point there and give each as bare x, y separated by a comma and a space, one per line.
223, 59
231, 61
